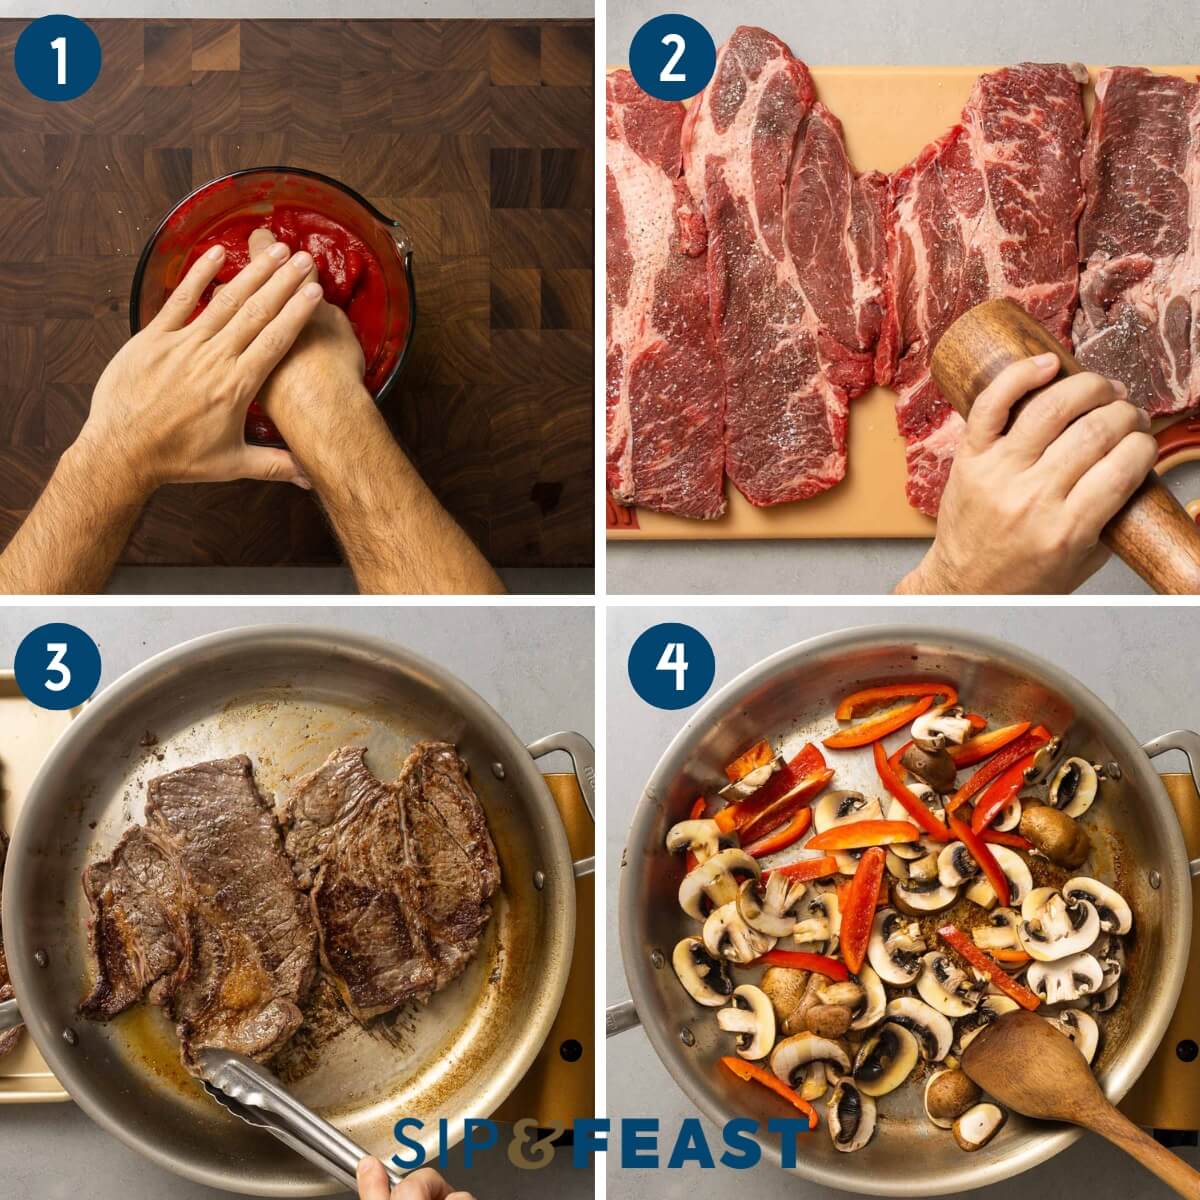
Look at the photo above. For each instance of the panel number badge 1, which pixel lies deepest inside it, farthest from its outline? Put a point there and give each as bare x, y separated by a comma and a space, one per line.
672, 57
57, 58
671, 665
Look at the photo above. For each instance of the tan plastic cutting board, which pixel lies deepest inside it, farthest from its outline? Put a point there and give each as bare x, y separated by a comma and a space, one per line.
26, 735
889, 114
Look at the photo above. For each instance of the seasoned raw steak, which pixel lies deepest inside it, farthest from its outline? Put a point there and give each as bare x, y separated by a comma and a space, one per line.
1139, 314
987, 210
200, 906
664, 391
10, 1037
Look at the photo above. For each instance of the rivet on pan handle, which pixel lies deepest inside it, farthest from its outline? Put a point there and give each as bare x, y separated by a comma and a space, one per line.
583, 761
1189, 743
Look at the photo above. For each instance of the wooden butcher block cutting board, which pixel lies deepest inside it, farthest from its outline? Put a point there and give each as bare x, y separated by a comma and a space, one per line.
888, 114
477, 136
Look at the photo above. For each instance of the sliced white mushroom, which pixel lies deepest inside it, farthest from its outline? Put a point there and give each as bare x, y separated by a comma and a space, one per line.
801, 1061
948, 1094
989, 1009
897, 867
917, 898
1009, 817
820, 922
1114, 913
851, 1117
956, 866
715, 880
1016, 871
1043, 761
1110, 953
726, 935
705, 977
1081, 1028
897, 812
895, 948
978, 1125
1000, 930
924, 870
1065, 979
1073, 788
744, 788
750, 1016
842, 808
933, 1031
1107, 998
701, 836
945, 986
885, 1060
1052, 927
870, 1011
774, 912
932, 730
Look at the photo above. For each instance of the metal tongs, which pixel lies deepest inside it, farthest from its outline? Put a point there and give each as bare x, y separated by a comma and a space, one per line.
254, 1095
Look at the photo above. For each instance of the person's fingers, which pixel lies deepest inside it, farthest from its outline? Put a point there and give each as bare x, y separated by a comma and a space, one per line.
989, 414
266, 462
275, 339
226, 302
262, 308
181, 303
425, 1184
1104, 488
261, 239
373, 1181
1085, 442
1045, 418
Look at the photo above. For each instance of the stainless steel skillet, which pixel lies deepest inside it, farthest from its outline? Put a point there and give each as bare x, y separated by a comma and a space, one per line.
287, 696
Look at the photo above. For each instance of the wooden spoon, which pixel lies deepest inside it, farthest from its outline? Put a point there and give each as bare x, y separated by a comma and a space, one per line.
1025, 1063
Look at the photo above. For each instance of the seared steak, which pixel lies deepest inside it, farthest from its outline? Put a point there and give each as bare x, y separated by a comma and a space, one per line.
200, 907
399, 875
10, 1037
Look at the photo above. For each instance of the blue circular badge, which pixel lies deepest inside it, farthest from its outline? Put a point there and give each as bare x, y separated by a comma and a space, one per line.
672, 57
57, 58
57, 666
671, 665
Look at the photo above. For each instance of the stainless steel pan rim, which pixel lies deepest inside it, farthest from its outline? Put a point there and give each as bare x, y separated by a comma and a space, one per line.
515, 764
1175, 896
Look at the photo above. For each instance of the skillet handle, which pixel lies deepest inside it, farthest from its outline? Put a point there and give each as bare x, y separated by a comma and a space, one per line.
583, 761
619, 1017
1189, 743
10, 1015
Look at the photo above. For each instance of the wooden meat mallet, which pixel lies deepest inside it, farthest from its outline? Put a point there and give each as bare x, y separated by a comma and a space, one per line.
1152, 533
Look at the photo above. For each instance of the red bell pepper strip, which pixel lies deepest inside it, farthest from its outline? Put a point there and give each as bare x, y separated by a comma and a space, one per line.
983, 745
910, 800
759, 755
753, 823
977, 721
843, 893
957, 940
893, 691
854, 835
978, 850
806, 868
1037, 737
1001, 837
876, 727
808, 762
1001, 792
858, 914
783, 837
802, 960
752, 1072
689, 860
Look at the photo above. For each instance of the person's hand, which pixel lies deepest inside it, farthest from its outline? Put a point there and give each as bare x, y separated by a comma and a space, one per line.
171, 406
425, 1184
1023, 511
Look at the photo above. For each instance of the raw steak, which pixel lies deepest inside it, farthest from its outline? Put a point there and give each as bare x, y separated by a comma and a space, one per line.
10, 1037
201, 907
795, 264
664, 387
1139, 314
987, 210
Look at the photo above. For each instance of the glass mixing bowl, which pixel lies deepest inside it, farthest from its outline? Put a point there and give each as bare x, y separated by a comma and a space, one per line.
259, 190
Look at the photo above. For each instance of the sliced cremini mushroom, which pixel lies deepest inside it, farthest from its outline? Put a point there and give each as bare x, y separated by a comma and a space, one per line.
934, 1033
715, 880
1065, 979
885, 1060
999, 931
851, 1117
705, 977
843, 808
870, 1011
932, 730
1114, 913
948, 1094
945, 986
726, 935
770, 910
785, 987
1059, 837
1073, 788
895, 948
744, 788
800, 1062
701, 836
1053, 927
932, 767
978, 1125
1016, 871
1081, 1028
750, 1016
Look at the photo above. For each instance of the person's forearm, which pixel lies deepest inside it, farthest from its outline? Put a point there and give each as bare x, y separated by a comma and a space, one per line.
71, 539
397, 537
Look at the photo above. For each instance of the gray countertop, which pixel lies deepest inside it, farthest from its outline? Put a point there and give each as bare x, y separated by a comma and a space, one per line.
1097, 645
532, 664
881, 31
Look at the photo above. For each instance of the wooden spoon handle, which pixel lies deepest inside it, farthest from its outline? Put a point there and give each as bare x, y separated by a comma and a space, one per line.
1125, 1135
1152, 533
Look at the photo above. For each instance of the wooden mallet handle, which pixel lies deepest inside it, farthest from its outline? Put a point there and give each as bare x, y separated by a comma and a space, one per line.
1152, 533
